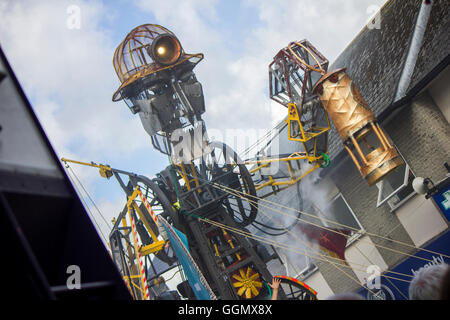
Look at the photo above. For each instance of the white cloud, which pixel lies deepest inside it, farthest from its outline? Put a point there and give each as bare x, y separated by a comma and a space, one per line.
69, 78
236, 86
68, 74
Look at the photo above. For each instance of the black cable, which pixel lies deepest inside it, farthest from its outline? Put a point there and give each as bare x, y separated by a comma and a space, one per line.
269, 233
87, 193
91, 214
173, 275
285, 230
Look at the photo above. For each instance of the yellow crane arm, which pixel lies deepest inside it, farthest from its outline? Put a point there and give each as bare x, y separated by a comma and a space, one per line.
105, 170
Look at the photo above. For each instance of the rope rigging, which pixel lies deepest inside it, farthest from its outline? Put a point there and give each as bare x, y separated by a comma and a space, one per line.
245, 196
93, 202
282, 245
325, 255
260, 203
280, 127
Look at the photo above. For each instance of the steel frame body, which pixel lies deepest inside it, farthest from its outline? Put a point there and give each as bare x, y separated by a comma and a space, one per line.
221, 255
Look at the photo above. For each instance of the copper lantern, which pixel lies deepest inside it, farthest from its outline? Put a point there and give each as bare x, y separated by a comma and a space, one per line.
367, 144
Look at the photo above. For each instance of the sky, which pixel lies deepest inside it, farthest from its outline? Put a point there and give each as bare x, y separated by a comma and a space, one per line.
61, 52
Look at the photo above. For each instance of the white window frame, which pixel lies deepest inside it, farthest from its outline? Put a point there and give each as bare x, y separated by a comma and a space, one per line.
379, 185
304, 273
357, 234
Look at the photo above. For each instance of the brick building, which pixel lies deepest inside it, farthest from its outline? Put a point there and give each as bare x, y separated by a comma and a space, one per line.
402, 72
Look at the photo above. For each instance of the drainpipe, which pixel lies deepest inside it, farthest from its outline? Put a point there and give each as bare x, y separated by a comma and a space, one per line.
413, 50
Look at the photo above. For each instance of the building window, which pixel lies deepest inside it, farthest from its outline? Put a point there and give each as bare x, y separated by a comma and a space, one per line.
307, 269
296, 265
340, 212
336, 210
396, 188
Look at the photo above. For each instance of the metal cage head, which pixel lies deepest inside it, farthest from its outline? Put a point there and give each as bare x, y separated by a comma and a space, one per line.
294, 71
146, 50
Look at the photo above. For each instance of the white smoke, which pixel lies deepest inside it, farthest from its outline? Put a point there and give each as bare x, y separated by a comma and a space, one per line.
310, 196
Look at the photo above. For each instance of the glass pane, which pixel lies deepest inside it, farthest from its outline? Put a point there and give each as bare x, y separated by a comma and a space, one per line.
339, 211
392, 182
299, 264
403, 192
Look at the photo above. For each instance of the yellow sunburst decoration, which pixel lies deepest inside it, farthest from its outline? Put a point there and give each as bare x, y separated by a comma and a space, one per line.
248, 282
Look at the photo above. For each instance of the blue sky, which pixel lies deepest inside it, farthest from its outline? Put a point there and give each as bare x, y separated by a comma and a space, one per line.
68, 76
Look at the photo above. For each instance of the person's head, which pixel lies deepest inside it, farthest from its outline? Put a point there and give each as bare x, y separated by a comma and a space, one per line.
427, 282
445, 289
346, 296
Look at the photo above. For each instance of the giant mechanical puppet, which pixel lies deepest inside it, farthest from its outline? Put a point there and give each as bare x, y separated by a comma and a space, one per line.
195, 213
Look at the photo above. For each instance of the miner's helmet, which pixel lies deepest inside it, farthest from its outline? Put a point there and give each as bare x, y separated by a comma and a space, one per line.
146, 50
165, 49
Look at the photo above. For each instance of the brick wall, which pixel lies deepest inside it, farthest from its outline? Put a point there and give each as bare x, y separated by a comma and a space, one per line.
422, 135
380, 221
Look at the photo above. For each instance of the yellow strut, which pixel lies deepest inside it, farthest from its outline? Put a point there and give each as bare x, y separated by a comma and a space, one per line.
105, 170
157, 245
